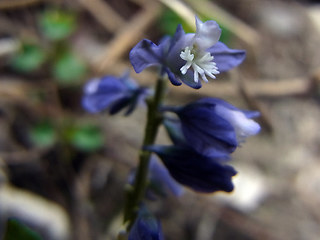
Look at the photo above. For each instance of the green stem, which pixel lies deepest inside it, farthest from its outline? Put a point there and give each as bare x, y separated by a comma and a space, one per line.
136, 193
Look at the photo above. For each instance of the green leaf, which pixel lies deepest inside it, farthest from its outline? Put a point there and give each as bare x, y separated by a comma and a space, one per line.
43, 134
69, 69
17, 231
29, 58
87, 138
57, 24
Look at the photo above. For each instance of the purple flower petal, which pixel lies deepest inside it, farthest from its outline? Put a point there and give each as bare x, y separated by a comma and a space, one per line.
172, 77
188, 58
113, 93
206, 131
226, 58
99, 94
146, 227
211, 125
194, 170
160, 176
173, 127
207, 34
145, 54
189, 80
119, 104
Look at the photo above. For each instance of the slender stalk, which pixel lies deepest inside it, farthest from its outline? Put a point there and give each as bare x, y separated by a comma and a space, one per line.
135, 194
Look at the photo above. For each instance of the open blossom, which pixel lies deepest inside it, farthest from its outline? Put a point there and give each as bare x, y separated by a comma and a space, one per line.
212, 126
194, 170
113, 93
188, 58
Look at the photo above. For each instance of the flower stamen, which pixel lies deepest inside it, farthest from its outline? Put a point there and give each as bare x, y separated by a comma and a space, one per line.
201, 62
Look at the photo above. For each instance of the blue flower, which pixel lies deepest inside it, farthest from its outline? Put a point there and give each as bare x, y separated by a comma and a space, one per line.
113, 93
174, 130
161, 180
146, 227
212, 126
188, 57
194, 170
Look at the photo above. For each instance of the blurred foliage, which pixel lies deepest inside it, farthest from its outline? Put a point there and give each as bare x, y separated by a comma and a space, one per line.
17, 231
56, 24
68, 69
43, 134
169, 21
86, 137
29, 58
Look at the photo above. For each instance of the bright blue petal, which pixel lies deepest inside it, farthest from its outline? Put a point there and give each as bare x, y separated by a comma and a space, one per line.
226, 58
194, 170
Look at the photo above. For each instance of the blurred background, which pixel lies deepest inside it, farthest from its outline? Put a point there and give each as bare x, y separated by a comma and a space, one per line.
63, 171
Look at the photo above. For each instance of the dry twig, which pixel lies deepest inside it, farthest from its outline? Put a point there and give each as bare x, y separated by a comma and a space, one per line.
127, 36
6, 4
184, 11
104, 14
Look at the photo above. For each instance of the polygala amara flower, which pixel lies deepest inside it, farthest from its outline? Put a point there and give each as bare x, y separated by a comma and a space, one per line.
190, 57
161, 180
174, 130
212, 126
145, 227
113, 93
194, 170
